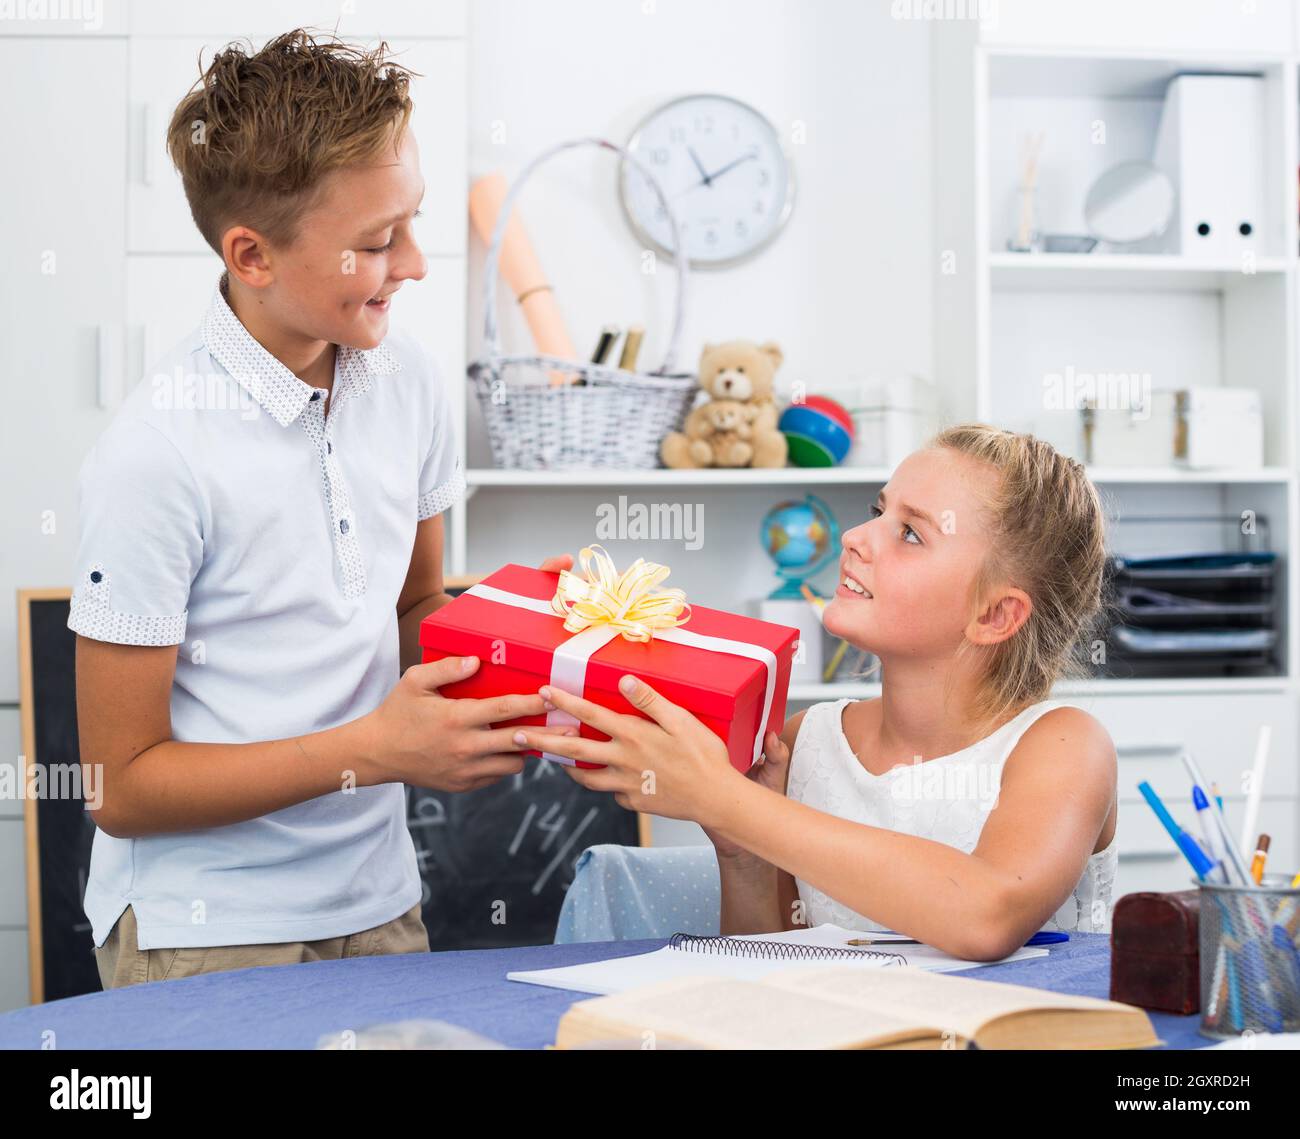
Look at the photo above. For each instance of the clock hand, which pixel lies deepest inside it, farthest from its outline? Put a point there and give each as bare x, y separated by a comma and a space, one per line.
699, 165
709, 179
736, 162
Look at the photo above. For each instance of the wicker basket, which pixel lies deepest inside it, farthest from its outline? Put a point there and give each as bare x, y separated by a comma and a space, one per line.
615, 419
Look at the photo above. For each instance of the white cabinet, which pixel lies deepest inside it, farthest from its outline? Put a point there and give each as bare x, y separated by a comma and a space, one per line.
62, 289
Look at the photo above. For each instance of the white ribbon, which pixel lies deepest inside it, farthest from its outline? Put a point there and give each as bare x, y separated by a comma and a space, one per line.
569, 664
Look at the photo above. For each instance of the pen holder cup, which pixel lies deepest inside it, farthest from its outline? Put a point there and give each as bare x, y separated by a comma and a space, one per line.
1250, 960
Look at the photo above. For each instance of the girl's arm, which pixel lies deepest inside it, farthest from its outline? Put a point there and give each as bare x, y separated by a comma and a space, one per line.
753, 894
1057, 789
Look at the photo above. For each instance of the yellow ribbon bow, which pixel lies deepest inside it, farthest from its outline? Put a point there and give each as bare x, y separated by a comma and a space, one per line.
630, 602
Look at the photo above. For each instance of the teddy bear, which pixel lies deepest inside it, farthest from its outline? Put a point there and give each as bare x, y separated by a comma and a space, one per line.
720, 432
742, 372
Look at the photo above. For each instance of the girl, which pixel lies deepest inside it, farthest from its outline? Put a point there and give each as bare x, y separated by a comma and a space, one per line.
961, 807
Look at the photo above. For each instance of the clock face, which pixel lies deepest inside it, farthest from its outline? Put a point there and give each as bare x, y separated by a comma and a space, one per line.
721, 165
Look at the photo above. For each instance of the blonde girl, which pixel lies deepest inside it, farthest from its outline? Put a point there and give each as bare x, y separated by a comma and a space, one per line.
962, 806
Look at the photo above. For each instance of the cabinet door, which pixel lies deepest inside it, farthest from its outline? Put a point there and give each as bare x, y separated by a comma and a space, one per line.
163, 70
61, 291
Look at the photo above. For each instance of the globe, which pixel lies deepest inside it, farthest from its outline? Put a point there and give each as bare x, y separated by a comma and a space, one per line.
800, 537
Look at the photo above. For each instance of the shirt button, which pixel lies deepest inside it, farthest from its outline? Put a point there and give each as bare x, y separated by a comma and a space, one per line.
343, 525
96, 577
329, 447
315, 396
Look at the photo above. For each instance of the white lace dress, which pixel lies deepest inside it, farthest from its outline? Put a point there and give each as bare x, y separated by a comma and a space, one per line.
945, 799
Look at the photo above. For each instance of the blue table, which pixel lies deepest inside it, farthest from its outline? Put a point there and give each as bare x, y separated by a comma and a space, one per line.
292, 1006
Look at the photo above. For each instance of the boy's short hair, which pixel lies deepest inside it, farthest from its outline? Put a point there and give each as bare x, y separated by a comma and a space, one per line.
255, 136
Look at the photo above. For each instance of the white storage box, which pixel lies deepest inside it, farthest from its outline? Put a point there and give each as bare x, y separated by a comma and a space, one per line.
1140, 436
891, 419
1219, 427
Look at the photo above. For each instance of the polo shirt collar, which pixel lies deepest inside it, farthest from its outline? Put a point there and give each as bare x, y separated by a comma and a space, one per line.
280, 393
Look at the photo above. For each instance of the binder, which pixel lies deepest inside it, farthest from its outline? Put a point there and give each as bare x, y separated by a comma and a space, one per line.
1211, 145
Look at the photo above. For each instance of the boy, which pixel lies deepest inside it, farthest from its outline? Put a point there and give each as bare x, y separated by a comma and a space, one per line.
282, 522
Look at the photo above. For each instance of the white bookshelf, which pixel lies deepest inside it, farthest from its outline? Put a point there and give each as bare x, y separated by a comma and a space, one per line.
1185, 320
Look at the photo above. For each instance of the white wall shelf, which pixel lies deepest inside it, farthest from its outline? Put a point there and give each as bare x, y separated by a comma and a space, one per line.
788, 476
1118, 271
838, 476
1169, 476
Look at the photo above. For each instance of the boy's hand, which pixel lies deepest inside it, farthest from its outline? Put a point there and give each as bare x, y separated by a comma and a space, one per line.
420, 737
557, 563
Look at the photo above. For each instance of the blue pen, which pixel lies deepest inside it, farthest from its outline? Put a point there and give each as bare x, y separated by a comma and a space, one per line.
1191, 851
1051, 937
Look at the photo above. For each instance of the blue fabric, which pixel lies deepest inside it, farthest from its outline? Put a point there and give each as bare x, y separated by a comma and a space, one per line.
292, 1006
623, 892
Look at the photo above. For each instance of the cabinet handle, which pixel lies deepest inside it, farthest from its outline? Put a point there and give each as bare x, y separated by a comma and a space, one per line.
146, 135
1146, 750
108, 379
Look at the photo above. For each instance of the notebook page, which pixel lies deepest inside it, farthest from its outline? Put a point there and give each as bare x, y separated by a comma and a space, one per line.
622, 973
619, 974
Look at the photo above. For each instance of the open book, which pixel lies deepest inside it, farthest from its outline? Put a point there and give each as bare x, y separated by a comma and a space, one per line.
838, 1007
750, 958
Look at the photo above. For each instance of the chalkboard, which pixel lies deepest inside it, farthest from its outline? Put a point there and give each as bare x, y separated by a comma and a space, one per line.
494, 863
61, 958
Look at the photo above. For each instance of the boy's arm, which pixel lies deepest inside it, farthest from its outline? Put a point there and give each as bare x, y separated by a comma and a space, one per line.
148, 783
422, 592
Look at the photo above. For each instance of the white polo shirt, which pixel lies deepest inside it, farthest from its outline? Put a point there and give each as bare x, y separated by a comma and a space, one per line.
224, 512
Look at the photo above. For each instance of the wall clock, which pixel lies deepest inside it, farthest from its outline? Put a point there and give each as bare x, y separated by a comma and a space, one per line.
722, 165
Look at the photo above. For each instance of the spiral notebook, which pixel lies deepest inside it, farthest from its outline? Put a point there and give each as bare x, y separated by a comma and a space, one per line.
748, 959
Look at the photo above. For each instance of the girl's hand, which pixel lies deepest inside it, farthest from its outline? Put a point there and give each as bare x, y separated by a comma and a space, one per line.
669, 765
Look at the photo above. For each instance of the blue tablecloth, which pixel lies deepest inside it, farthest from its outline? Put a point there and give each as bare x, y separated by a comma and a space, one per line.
293, 1006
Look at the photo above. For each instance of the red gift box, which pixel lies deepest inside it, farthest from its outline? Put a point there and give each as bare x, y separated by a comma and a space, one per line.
516, 647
